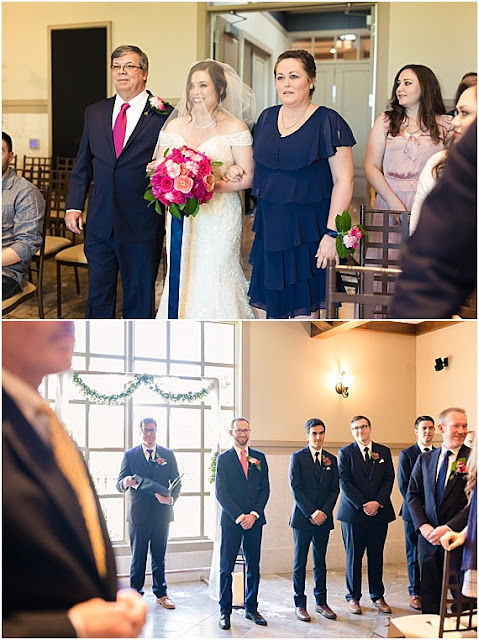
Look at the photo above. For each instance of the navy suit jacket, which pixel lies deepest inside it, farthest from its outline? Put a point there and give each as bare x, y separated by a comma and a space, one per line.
357, 487
48, 562
116, 200
407, 460
152, 477
421, 495
312, 489
235, 493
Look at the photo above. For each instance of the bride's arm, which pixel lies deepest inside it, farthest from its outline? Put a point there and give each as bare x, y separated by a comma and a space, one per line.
243, 162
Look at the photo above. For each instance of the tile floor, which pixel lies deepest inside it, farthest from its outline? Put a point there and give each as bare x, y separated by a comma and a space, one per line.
196, 615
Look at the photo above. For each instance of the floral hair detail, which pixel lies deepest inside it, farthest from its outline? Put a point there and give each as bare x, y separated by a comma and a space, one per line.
254, 461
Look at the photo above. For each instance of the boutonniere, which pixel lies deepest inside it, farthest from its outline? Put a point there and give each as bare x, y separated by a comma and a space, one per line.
459, 467
254, 461
326, 463
375, 456
159, 461
157, 105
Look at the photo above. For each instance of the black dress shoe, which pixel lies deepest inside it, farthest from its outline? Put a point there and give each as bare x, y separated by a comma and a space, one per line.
224, 621
256, 617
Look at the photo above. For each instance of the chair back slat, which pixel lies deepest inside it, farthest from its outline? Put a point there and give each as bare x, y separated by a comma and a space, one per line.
36, 169
460, 610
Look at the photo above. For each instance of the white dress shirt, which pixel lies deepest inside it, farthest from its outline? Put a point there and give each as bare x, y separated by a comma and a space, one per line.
133, 114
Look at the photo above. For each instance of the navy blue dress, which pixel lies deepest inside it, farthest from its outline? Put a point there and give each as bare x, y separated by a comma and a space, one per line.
293, 183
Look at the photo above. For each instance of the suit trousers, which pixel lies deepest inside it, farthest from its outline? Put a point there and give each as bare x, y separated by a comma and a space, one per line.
302, 540
137, 264
156, 536
357, 539
431, 564
410, 535
231, 538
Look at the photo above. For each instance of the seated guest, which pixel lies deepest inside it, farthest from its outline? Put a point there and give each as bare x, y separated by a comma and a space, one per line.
366, 478
424, 428
23, 208
436, 501
313, 480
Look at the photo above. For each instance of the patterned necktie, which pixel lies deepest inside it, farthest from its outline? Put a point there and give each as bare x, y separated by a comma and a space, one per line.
244, 462
150, 451
441, 478
71, 463
119, 129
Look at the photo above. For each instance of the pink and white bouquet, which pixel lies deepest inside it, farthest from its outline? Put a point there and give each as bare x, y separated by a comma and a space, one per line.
182, 181
348, 236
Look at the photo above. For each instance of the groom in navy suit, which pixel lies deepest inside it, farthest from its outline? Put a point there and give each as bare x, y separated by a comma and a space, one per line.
147, 471
122, 233
314, 483
242, 489
437, 501
424, 429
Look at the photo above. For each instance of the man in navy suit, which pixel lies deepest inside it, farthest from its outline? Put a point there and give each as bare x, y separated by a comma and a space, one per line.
424, 428
314, 483
147, 471
122, 233
366, 478
242, 489
58, 563
437, 501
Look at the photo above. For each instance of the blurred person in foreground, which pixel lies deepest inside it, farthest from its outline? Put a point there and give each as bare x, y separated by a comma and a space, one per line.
58, 564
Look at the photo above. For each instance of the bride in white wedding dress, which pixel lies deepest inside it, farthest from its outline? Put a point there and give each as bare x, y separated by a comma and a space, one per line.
212, 284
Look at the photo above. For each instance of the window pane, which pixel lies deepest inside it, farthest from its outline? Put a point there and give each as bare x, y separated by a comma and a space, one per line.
150, 339
153, 368
107, 337
107, 364
187, 518
219, 342
157, 413
209, 486
364, 52
324, 48
106, 428
113, 510
302, 43
226, 380
185, 428
190, 463
74, 417
191, 370
185, 341
78, 363
80, 335
104, 468
213, 432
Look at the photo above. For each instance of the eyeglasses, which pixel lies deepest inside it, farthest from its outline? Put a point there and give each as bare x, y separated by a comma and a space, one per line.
124, 67
361, 428
242, 431
149, 430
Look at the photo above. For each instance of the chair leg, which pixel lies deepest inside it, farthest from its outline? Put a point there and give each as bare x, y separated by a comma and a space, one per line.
77, 281
41, 310
59, 291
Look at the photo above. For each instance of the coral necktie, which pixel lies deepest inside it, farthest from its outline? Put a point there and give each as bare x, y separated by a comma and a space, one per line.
244, 462
119, 129
71, 463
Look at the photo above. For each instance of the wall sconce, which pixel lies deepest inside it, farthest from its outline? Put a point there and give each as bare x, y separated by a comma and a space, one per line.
342, 387
441, 363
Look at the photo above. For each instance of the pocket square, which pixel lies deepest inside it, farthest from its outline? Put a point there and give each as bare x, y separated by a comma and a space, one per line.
382, 460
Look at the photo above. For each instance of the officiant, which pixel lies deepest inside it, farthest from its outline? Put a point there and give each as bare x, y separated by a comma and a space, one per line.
150, 473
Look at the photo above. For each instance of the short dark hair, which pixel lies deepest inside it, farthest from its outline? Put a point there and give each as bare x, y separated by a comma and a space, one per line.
421, 419
356, 418
468, 80
8, 141
123, 49
306, 59
148, 421
238, 419
313, 422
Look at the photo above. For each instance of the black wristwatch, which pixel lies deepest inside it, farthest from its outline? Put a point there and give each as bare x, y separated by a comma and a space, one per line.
332, 233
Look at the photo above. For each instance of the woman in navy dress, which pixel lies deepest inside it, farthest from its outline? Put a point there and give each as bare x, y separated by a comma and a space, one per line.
303, 180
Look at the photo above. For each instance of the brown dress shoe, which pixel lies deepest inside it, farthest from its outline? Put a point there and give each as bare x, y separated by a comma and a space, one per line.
302, 614
325, 611
415, 602
382, 605
166, 602
353, 606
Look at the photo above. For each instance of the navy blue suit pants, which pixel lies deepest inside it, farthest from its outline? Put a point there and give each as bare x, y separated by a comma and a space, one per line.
302, 540
156, 536
359, 538
410, 534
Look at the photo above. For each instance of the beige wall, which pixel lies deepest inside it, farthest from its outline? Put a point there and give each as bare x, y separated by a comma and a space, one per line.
440, 35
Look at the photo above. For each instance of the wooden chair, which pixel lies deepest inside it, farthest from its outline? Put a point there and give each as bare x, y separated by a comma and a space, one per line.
365, 301
383, 238
63, 163
36, 169
71, 257
458, 620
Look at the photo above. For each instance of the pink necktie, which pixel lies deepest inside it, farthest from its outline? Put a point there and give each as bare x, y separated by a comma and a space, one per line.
119, 129
244, 462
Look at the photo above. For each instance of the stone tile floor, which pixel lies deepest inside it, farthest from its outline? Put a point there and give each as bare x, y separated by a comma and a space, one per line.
196, 615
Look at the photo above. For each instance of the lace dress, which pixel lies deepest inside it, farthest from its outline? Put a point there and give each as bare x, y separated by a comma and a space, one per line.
212, 282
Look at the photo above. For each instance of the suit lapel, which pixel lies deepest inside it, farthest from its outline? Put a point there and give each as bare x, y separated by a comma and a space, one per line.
462, 453
107, 124
237, 464
360, 458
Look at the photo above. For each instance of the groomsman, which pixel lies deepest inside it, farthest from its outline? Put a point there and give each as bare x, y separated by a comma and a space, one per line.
424, 428
314, 483
436, 502
366, 477
242, 489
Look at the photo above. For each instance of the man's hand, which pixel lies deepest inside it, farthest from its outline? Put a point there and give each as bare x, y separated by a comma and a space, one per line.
130, 482
371, 508
164, 499
434, 536
101, 619
74, 221
248, 521
319, 518
425, 530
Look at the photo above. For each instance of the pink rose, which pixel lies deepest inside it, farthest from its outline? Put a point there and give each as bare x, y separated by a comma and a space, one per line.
209, 181
166, 183
350, 242
157, 103
184, 184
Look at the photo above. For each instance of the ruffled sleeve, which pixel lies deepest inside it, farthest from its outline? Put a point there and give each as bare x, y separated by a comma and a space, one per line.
334, 133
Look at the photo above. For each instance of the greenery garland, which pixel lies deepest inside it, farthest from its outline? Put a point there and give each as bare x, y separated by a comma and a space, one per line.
144, 379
